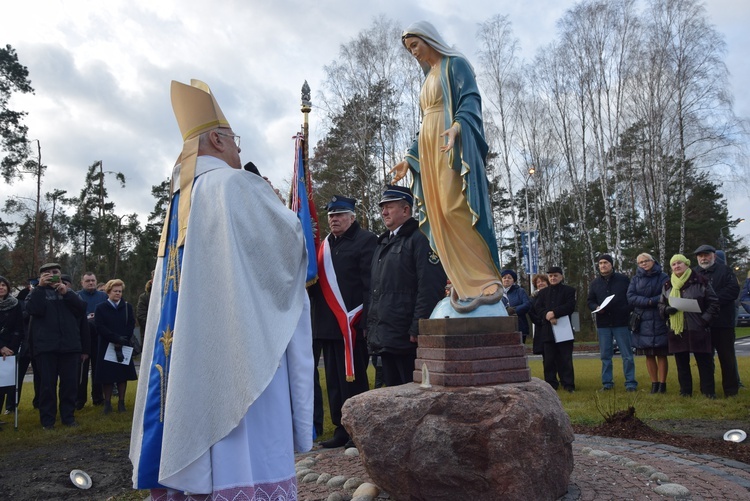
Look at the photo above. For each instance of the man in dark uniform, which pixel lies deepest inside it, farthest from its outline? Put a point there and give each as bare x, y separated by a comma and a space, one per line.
553, 303
339, 302
727, 289
407, 282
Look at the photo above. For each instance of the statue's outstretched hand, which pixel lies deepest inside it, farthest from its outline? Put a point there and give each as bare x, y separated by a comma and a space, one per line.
400, 170
451, 134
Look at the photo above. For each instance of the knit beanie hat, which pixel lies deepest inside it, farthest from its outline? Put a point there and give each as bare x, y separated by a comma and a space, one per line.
679, 257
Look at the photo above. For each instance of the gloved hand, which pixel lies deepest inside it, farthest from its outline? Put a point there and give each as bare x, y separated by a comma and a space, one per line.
670, 310
511, 310
124, 340
118, 354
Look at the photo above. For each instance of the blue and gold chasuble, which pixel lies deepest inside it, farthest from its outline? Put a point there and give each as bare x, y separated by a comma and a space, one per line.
158, 371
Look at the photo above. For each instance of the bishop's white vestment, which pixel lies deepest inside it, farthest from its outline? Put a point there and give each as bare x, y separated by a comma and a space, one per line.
225, 390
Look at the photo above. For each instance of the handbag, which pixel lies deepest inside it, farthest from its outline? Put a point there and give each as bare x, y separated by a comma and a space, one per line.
635, 321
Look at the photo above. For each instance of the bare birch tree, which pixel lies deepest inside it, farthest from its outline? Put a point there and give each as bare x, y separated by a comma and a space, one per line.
501, 78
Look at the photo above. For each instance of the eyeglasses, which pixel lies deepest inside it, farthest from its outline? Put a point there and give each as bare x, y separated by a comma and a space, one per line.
644, 261
233, 136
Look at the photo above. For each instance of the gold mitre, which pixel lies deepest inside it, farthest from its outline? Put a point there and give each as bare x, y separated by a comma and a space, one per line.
196, 111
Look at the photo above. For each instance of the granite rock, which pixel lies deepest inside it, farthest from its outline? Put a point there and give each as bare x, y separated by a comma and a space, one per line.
510, 441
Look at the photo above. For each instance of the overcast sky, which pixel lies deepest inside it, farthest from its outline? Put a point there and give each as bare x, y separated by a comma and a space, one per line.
101, 71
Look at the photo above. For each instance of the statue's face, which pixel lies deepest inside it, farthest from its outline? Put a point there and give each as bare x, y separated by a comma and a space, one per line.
421, 51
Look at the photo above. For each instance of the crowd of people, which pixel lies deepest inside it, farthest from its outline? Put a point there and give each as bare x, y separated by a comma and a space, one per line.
691, 311
62, 333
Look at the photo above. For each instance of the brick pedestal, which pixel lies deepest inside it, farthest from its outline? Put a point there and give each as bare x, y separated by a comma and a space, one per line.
471, 351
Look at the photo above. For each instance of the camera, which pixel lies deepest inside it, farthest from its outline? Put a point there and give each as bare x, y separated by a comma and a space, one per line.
54, 278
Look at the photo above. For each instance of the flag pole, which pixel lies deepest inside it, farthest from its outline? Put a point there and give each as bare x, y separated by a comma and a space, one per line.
305, 107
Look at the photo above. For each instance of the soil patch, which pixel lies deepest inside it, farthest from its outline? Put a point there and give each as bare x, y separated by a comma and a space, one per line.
696, 435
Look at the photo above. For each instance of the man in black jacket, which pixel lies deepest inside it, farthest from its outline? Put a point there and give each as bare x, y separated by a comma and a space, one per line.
58, 343
612, 321
552, 304
407, 282
339, 302
727, 289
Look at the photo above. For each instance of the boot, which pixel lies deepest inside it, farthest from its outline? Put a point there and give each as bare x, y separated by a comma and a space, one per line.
662, 387
107, 407
655, 387
121, 406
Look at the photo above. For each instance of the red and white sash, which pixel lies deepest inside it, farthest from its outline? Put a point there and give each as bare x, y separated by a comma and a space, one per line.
332, 294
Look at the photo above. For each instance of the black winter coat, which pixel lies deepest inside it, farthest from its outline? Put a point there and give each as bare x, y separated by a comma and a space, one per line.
617, 312
11, 326
726, 287
560, 299
407, 281
696, 336
643, 295
351, 255
58, 323
114, 326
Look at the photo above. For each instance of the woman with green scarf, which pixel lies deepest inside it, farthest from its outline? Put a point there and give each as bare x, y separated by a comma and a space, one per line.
689, 332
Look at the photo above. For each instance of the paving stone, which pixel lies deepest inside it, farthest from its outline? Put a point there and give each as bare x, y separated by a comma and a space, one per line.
324, 478
673, 490
352, 484
336, 481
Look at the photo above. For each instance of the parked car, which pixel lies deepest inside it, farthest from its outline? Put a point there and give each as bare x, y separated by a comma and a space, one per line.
743, 319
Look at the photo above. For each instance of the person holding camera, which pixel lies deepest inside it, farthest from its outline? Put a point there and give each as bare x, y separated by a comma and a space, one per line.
58, 343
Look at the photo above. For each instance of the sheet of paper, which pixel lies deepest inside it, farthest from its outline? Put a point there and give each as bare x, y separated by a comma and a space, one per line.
682, 304
8, 371
604, 303
111, 356
563, 330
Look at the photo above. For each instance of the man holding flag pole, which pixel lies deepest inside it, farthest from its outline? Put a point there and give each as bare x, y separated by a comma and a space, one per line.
339, 308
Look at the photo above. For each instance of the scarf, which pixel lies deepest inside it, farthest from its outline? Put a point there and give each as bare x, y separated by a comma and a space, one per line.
677, 321
8, 303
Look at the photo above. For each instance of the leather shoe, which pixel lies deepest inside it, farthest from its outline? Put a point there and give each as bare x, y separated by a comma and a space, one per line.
336, 441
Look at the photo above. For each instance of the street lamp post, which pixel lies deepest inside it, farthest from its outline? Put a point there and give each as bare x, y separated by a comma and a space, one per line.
528, 231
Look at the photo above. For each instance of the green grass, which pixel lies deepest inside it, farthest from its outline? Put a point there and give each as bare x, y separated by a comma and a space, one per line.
90, 418
581, 406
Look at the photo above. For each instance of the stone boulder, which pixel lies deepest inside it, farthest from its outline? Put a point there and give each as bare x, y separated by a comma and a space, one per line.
509, 442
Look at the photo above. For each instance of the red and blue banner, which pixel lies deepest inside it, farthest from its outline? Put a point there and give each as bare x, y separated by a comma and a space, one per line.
301, 202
